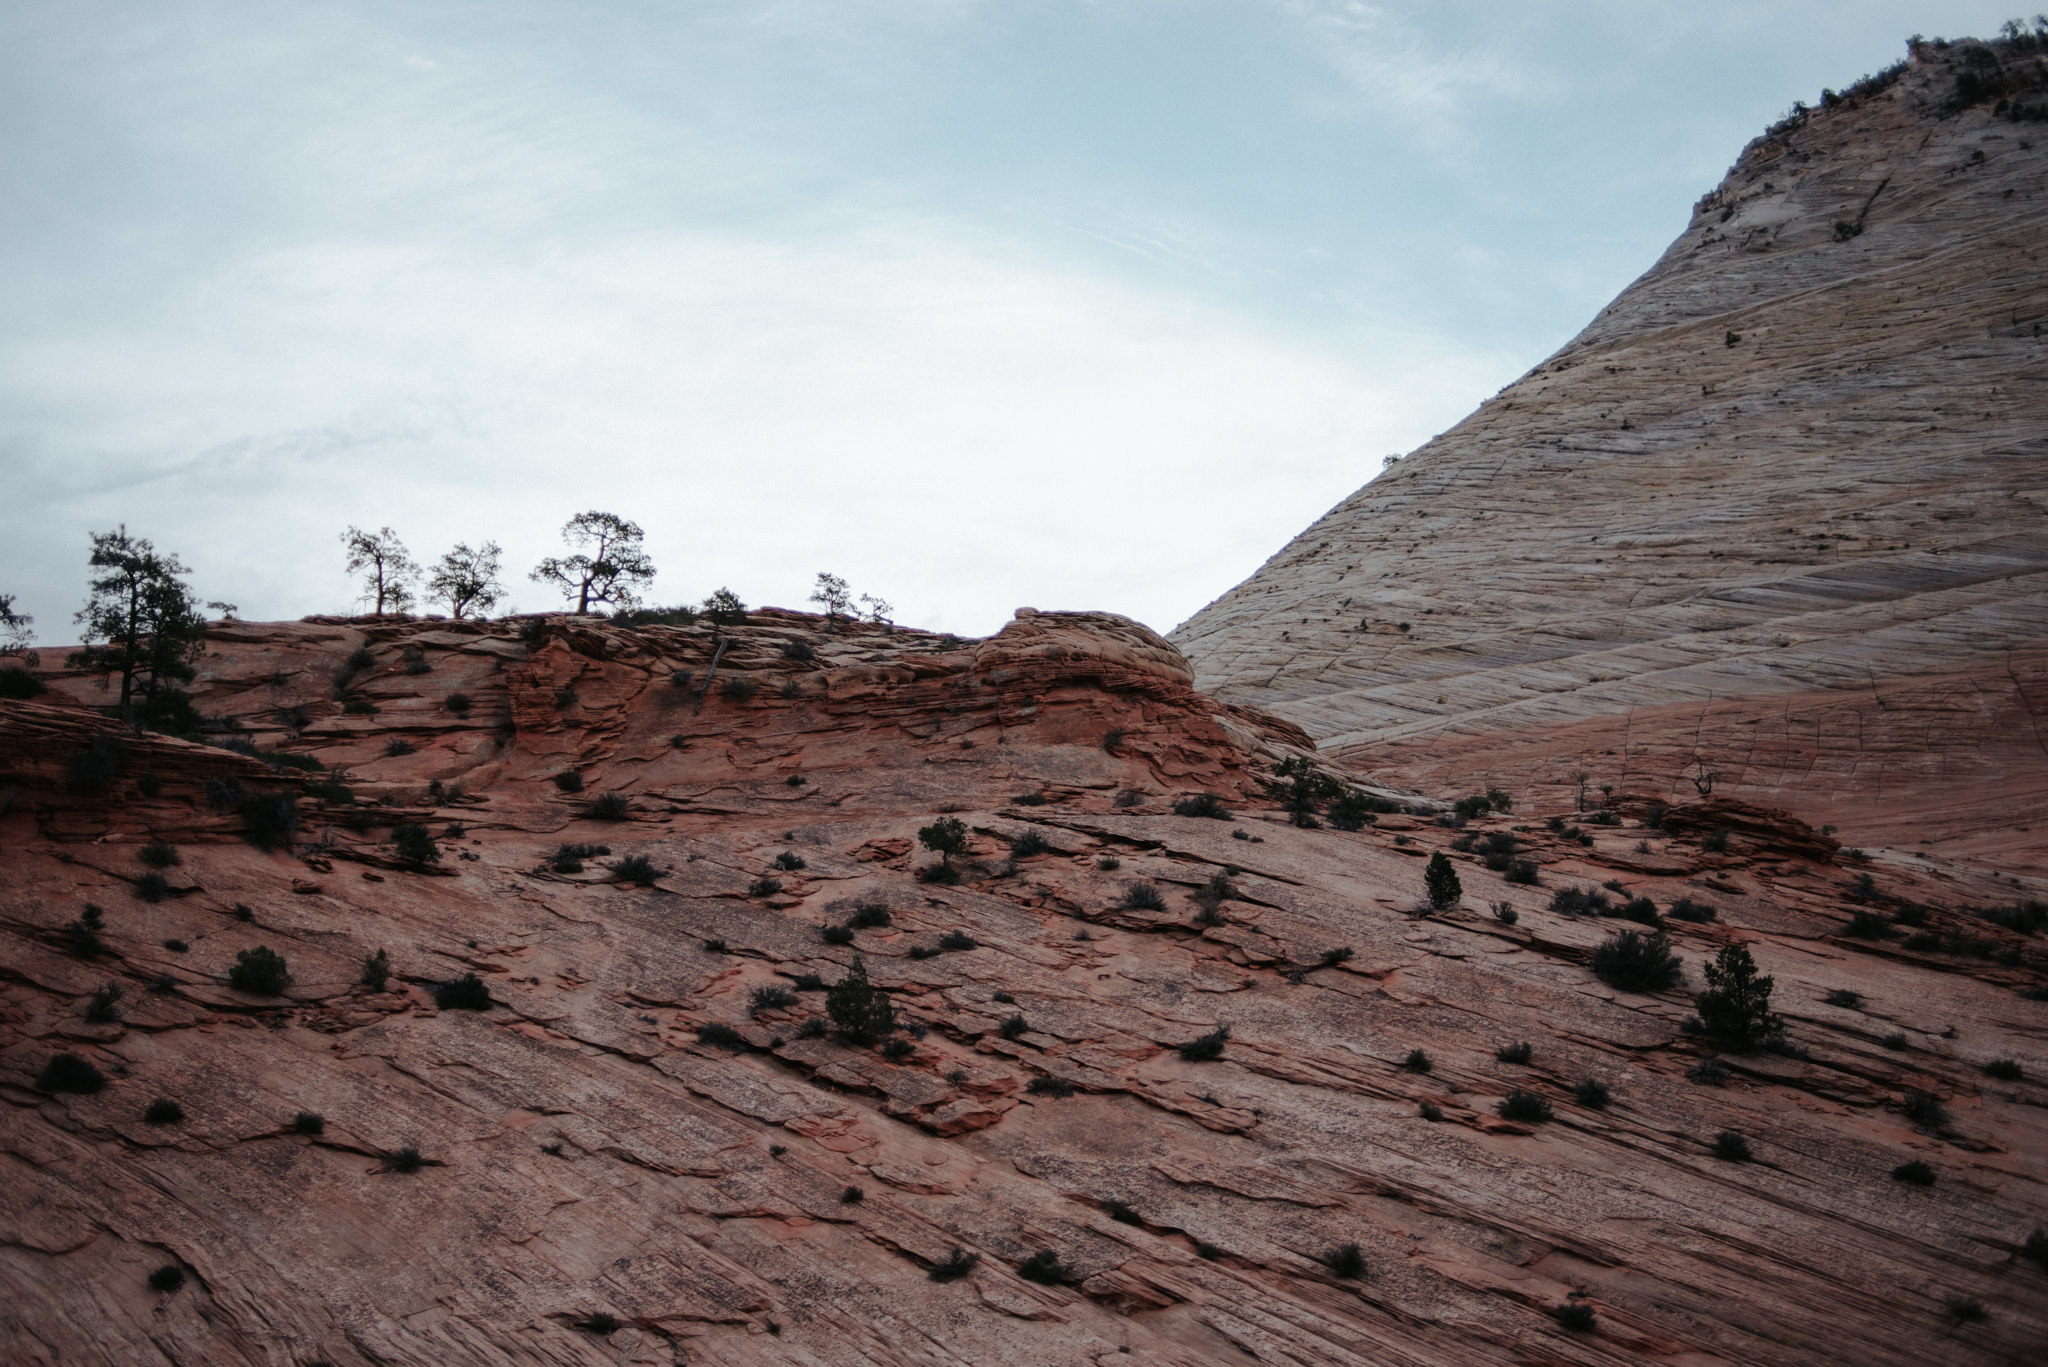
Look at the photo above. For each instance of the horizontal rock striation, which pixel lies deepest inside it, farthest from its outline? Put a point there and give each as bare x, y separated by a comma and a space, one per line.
1789, 480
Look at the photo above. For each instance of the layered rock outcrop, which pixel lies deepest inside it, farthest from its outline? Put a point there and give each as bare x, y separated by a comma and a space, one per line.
1777, 513
641, 1150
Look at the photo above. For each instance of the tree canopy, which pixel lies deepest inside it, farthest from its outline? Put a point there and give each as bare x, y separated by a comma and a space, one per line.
141, 622
611, 566
388, 569
467, 580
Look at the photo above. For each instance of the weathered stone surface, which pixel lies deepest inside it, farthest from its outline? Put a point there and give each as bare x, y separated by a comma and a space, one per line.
1778, 509
586, 1147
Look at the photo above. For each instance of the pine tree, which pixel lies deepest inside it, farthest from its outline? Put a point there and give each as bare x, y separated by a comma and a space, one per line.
611, 568
860, 1010
1442, 882
1736, 1007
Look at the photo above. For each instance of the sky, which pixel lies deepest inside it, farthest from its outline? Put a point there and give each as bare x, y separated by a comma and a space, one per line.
978, 304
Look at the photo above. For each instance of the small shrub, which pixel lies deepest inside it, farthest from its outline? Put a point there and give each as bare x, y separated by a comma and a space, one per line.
1028, 800
176, 946
1416, 1062
1686, 909
1592, 1094
1709, 1072
1641, 910
152, 887
1967, 1309
788, 861
309, 1122
2036, 1248
569, 781
458, 703
1043, 1267
1577, 1316
1514, 1053
163, 1112
1731, 1147
799, 651
958, 941
1736, 1007
1332, 957
1842, 996
2004, 1069
261, 970
862, 1012
376, 973
1346, 1261
1203, 805
1006, 998
68, 1072
1207, 1048
100, 1007
942, 873
18, 685
836, 935
1143, 896
466, 993
159, 854
1028, 844
852, 1196
738, 689
1014, 1027
719, 1035
1715, 842
1049, 1086
1529, 1107
717, 947
776, 998
414, 845
168, 1278
635, 868
1432, 1112
1633, 962
1505, 914
870, 916
609, 807
359, 707
600, 1324
1440, 880
397, 746
1524, 872
764, 887
1109, 863
1915, 1173
813, 1028
957, 1265
896, 1050
1924, 1108
1896, 1040
924, 952
1580, 902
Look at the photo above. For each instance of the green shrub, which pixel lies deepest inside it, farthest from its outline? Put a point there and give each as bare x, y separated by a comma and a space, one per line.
1709, 1072
415, 845
945, 837
466, 993
601, 1323
1505, 914
261, 971
1580, 902
569, 781
861, 1011
1432, 1112
1915, 1173
1843, 997
957, 1265
1203, 805
406, 1160
738, 689
836, 935
68, 1072
852, 1196
1043, 1267
1896, 1040
1967, 1309
1924, 1109
940, 873
1332, 957
1634, 962
1736, 1007
1529, 1107
771, 998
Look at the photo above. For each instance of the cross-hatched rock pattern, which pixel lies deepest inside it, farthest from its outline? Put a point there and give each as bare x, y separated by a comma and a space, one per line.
1803, 459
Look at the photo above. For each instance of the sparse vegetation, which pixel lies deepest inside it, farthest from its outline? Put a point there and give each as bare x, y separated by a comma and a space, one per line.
789, 861
414, 845
1709, 1072
764, 887
159, 854
1014, 1027
1592, 1094
1206, 1048
82, 936
1043, 1267
772, 998
1505, 914
862, 1012
1044, 1085
1519, 1052
1731, 1147
1202, 805
1577, 1316
1143, 896
836, 935
466, 993
1346, 1261
376, 973
261, 970
1915, 1173
1634, 962
1432, 1112
958, 1264
610, 807
100, 1007
637, 869
152, 887
569, 781
1843, 997
1686, 909
1030, 843
1896, 1040
163, 1111
1528, 1107
2004, 1069
1923, 1108
719, 1035
67, 1072
1333, 957
167, 1279
958, 941
1416, 1062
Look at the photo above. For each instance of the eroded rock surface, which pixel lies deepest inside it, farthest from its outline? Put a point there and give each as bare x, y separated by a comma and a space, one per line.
1776, 513
642, 1125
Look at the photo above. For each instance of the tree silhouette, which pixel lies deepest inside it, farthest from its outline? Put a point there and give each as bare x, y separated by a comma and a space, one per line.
833, 595
388, 569
16, 633
611, 567
467, 580
148, 620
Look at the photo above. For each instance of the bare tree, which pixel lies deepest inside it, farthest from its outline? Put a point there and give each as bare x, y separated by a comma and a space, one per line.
878, 610
1582, 778
467, 580
1702, 778
832, 595
388, 569
611, 568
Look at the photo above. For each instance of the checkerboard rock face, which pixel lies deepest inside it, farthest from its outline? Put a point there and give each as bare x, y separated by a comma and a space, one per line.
1782, 508
634, 1139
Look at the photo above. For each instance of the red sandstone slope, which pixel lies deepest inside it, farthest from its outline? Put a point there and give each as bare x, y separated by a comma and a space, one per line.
588, 1146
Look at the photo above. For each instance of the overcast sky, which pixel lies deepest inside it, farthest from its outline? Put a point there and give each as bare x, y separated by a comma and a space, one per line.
976, 303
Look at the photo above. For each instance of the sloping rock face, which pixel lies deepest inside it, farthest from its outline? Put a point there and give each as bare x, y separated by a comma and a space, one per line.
1777, 513
640, 1149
